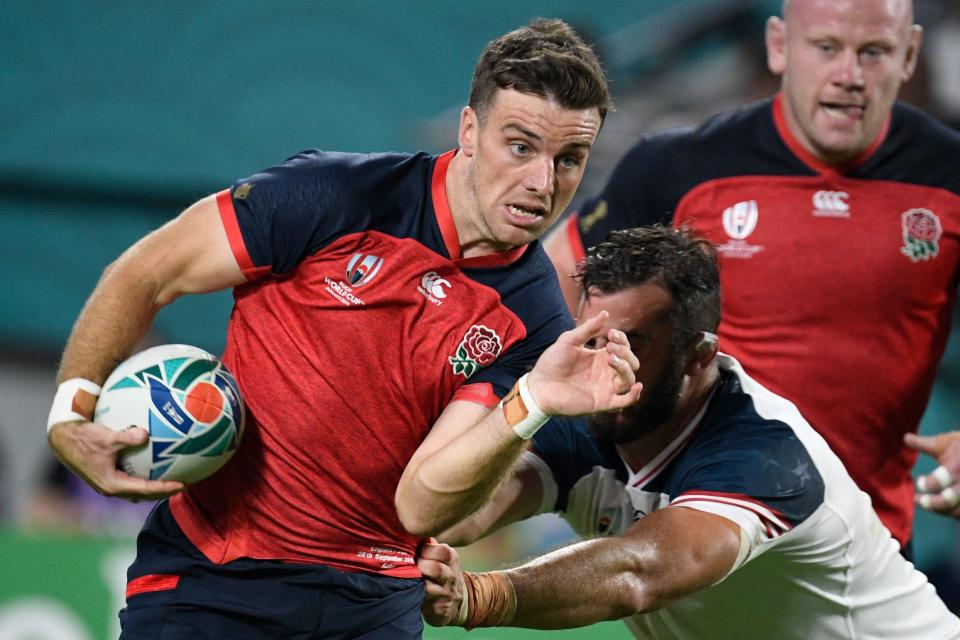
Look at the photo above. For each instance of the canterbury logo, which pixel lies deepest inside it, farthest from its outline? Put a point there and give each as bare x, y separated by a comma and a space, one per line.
434, 284
832, 204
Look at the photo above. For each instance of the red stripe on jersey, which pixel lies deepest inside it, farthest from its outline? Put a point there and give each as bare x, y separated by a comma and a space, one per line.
695, 496
677, 448
448, 228
152, 582
576, 242
815, 163
772, 529
228, 217
481, 393
441, 206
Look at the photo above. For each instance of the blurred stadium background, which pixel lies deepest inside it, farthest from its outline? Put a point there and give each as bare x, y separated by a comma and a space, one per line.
114, 116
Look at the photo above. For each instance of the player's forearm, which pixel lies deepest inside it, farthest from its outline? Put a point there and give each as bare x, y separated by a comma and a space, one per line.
518, 498
459, 478
585, 583
115, 317
661, 558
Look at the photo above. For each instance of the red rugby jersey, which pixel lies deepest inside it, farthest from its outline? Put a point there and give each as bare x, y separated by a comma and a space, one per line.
360, 323
837, 285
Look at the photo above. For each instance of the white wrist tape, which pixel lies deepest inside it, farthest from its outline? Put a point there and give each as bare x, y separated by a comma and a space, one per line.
521, 410
75, 400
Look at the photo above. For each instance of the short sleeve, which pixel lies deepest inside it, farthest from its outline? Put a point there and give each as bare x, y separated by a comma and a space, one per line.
767, 484
286, 212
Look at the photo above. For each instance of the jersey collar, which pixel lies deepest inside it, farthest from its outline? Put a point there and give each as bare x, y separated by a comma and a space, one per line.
780, 120
448, 230
639, 479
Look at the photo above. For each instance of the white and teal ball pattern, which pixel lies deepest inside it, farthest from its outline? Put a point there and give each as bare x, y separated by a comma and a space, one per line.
189, 403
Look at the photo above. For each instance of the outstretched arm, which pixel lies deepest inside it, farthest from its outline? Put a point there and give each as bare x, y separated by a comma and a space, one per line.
470, 449
664, 556
190, 254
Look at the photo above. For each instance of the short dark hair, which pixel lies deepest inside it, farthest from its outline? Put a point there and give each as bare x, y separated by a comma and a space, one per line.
677, 260
546, 58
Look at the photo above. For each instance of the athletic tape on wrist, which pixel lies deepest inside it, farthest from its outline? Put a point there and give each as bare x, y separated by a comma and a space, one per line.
492, 598
521, 410
464, 613
75, 400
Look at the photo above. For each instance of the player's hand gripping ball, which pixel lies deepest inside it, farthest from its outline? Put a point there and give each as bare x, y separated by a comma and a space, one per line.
188, 402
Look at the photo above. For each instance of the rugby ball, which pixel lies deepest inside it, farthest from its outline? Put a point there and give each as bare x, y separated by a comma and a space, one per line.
188, 402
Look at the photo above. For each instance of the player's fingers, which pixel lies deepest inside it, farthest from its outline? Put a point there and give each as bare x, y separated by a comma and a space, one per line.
431, 570
591, 328
436, 590
937, 480
943, 502
130, 437
926, 444
625, 376
619, 344
437, 551
128, 487
624, 400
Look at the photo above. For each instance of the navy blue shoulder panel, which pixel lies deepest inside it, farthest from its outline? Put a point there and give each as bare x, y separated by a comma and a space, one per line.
738, 453
294, 209
918, 150
571, 452
528, 287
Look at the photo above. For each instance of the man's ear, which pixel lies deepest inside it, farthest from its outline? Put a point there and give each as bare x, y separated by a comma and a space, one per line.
702, 353
467, 133
914, 39
776, 39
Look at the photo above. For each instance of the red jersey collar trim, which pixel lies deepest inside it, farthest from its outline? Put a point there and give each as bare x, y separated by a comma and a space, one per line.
442, 207
574, 238
449, 230
818, 165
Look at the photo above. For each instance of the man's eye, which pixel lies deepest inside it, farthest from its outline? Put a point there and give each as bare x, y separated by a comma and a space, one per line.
519, 148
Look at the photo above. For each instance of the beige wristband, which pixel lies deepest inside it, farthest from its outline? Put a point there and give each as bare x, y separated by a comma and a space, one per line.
76, 399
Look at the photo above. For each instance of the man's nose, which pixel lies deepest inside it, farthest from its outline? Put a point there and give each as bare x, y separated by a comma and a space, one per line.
540, 177
849, 71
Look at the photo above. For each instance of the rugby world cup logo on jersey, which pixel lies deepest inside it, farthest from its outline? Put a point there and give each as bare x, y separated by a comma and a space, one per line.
921, 234
831, 204
433, 287
479, 347
739, 221
361, 269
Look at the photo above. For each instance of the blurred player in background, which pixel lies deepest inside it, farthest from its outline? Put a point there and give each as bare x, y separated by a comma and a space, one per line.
714, 510
383, 306
836, 214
